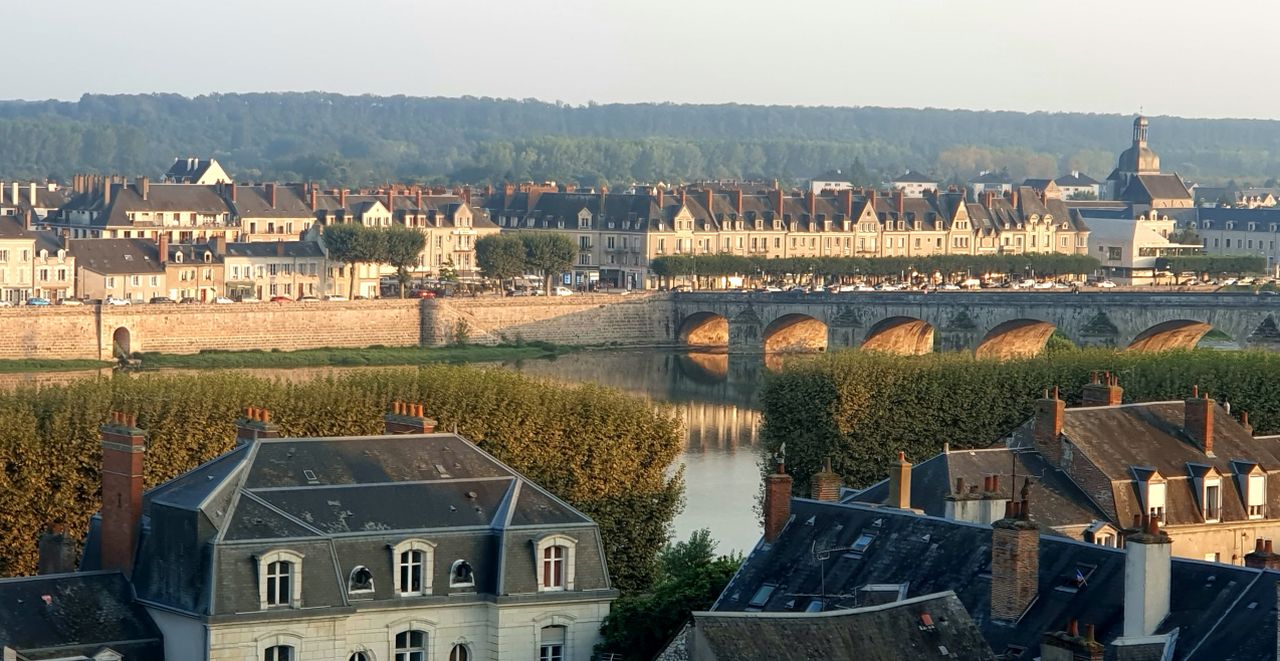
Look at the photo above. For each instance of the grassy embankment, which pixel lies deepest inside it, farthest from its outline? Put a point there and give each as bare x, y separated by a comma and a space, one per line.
46, 365
345, 357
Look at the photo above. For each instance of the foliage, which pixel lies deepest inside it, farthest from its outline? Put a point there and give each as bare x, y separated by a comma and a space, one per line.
365, 140
1213, 264
844, 267
500, 256
549, 253
861, 408
402, 247
606, 453
345, 357
690, 578
347, 244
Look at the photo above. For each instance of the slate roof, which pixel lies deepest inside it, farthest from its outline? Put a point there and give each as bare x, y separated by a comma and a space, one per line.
884, 632
117, 256
78, 614
186, 170
913, 177
293, 249
193, 253
1076, 179
12, 228
1211, 601
1263, 217
255, 202
1148, 187
992, 177
341, 502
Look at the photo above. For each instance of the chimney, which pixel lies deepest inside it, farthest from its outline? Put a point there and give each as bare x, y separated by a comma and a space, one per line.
899, 483
342, 198
1013, 198
813, 205
220, 245
417, 201
405, 418
57, 553
737, 202
1069, 645
900, 202
391, 199
162, 246
231, 191
660, 193
31, 194
1244, 422
780, 207
256, 424
1102, 390
826, 483
313, 198
1146, 579
271, 195
144, 187
988, 198
1198, 420
1048, 425
123, 449
711, 203
106, 192
13, 199
683, 196
1015, 563
777, 501
1263, 556
279, 248
846, 202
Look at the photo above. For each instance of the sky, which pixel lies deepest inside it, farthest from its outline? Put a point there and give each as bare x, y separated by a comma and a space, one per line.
1169, 57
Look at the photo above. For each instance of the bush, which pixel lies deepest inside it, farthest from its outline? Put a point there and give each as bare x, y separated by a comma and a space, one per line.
861, 408
604, 452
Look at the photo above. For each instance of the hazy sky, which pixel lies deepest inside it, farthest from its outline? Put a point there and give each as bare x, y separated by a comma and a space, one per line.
1169, 57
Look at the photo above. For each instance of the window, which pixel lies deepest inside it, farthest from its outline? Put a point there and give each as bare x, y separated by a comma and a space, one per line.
413, 559
555, 554
359, 656
460, 653
1212, 500
361, 580
278, 653
461, 574
551, 644
280, 579
1257, 496
411, 646
1156, 500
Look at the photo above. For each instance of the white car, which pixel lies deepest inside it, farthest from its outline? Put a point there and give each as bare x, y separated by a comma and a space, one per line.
562, 291
1106, 284
222, 300
70, 301
950, 287
1043, 285
335, 297
112, 300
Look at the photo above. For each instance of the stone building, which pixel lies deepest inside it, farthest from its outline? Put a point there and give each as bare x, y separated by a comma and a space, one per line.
264, 269
1138, 180
269, 212
119, 268
53, 266
412, 545
198, 171
1189, 464
1234, 231
193, 270
114, 208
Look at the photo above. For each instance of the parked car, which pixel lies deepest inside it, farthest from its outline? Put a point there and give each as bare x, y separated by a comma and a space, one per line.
307, 299
562, 291
950, 287
422, 293
281, 299
70, 301
112, 300
222, 300
38, 300
250, 299
1105, 284
162, 300
189, 300
335, 297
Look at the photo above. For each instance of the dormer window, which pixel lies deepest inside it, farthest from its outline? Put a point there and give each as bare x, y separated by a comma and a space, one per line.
361, 580
1211, 500
280, 580
1156, 499
555, 557
1257, 495
461, 574
413, 559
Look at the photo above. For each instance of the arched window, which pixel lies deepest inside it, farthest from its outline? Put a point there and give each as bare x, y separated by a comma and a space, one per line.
279, 579
279, 653
413, 560
279, 583
555, 562
553, 567
359, 656
459, 653
411, 646
461, 574
361, 580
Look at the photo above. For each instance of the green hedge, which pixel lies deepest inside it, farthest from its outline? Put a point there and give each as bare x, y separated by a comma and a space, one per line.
861, 408
604, 452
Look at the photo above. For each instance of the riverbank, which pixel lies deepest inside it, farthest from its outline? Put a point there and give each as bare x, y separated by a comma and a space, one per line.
50, 365
345, 357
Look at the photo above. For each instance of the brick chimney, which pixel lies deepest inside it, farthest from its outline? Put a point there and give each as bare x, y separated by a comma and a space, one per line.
144, 187
683, 197
231, 190
900, 202
1013, 198
711, 203
1244, 422
342, 198
123, 450
417, 200
1015, 562
777, 500
871, 199
1198, 420
271, 195
1069, 645
405, 418
1263, 556
826, 483
1102, 390
780, 202
988, 198
256, 424
162, 245
57, 553
846, 202
312, 195
737, 202
1146, 579
813, 205
659, 193
1048, 424
899, 483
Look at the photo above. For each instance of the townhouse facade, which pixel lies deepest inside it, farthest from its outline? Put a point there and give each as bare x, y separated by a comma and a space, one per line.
119, 268
1237, 231
114, 208
193, 271
54, 267
262, 270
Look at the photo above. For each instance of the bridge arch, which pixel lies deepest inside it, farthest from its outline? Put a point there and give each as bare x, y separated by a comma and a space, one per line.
1016, 338
795, 332
121, 343
906, 336
1174, 334
704, 329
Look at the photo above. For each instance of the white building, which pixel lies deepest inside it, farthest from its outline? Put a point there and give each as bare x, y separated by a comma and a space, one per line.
914, 184
1129, 248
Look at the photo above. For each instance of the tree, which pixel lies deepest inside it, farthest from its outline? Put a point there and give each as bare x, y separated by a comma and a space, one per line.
402, 246
343, 242
690, 577
500, 256
551, 253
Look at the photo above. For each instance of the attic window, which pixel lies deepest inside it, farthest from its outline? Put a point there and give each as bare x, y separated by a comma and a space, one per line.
1076, 577
1257, 497
361, 580
761, 597
860, 545
442, 471
1211, 500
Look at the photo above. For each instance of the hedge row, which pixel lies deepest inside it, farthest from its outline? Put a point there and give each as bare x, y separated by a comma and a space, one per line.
861, 408
602, 451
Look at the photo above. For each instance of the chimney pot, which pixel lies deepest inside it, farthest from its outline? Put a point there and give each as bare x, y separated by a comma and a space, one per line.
1267, 547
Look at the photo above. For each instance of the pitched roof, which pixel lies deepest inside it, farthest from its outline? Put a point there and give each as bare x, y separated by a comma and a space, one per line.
992, 177
913, 177
1149, 187
927, 554
116, 256
76, 615
187, 170
255, 202
934, 625
12, 228
296, 249
1076, 179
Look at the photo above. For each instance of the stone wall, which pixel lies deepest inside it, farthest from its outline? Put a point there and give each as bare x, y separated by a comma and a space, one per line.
580, 319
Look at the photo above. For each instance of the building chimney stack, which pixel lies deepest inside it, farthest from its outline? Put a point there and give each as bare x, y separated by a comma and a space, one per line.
846, 202
659, 193
256, 424
1198, 420
162, 246
57, 553
737, 202
1015, 562
406, 418
781, 203
312, 194
144, 188
900, 483
826, 483
1146, 579
231, 191
1050, 411
900, 203
1244, 422
31, 194
813, 205
123, 451
1263, 556
1102, 390
1069, 645
777, 499
271, 195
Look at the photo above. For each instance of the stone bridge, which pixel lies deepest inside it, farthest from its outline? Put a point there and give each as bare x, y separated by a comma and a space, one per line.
991, 324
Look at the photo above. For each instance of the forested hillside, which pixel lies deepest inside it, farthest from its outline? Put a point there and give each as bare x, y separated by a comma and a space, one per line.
366, 139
